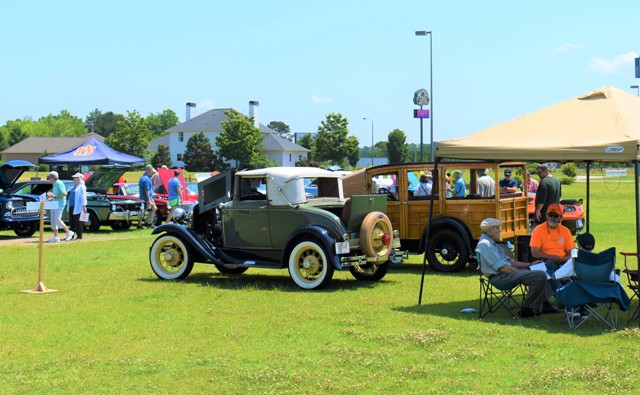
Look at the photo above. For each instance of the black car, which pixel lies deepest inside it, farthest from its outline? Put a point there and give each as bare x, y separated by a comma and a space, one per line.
13, 209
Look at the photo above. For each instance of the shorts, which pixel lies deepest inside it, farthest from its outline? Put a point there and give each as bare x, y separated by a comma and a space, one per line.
173, 202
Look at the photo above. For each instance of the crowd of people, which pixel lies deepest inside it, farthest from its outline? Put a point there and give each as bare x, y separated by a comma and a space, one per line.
551, 244
74, 201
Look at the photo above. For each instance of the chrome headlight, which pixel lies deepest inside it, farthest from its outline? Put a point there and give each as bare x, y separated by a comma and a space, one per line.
114, 207
9, 205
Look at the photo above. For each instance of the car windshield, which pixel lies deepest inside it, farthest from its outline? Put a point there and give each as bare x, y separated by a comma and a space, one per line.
131, 190
192, 187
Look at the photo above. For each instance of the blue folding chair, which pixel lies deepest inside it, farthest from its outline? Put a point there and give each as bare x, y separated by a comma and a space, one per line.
592, 289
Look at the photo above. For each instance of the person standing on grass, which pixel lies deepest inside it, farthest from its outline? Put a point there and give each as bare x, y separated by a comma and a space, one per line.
58, 193
175, 194
146, 194
500, 269
549, 192
77, 205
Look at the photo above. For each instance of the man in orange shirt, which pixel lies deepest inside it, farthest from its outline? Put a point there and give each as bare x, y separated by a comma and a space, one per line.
551, 241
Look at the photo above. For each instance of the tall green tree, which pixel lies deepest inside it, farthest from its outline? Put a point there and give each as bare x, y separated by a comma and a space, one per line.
103, 123
162, 157
239, 140
282, 129
3, 141
199, 155
307, 141
162, 121
17, 131
62, 125
397, 146
333, 142
132, 136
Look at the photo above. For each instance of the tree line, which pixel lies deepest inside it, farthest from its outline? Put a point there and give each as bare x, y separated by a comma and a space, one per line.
239, 141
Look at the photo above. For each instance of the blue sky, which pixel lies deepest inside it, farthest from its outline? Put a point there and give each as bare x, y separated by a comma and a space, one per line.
492, 60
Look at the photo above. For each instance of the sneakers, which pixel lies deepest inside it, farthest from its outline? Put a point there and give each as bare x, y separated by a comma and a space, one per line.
53, 240
150, 225
69, 235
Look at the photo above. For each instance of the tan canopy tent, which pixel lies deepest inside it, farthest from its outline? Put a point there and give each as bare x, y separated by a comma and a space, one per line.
602, 125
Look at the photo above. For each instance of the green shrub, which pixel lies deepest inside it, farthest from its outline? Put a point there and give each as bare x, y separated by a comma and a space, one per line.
565, 180
569, 169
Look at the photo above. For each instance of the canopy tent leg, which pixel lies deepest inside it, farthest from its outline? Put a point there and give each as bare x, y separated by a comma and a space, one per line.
588, 192
426, 234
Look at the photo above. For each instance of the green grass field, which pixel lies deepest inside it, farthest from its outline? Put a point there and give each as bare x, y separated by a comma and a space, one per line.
114, 328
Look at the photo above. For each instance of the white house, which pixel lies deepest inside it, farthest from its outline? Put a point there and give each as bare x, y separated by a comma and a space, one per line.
277, 149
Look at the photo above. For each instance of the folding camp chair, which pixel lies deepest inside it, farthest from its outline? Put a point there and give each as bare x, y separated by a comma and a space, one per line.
493, 296
592, 290
633, 281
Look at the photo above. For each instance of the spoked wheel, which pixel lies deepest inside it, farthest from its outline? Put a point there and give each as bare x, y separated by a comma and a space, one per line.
230, 270
447, 252
376, 235
25, 228
170, 258
309, 266
369, 271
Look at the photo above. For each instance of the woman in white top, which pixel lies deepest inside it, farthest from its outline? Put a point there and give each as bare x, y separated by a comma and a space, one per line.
77, 204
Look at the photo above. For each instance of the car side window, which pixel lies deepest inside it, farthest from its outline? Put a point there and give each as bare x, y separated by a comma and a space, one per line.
252, 189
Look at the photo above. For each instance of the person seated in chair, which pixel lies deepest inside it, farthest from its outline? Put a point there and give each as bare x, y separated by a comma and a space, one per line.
551, 241
501, 269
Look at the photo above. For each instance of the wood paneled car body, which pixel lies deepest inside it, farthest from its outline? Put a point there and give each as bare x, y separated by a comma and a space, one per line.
455, 227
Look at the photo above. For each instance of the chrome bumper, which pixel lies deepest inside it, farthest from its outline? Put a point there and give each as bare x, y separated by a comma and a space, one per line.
125, 215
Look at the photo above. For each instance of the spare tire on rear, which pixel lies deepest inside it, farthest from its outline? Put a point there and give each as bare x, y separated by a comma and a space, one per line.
376, 235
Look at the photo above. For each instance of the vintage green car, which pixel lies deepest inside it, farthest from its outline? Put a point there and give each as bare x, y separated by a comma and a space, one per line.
270, 222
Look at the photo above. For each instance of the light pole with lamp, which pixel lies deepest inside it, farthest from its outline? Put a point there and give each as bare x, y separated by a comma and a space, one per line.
431, 147
637, 88
367, 119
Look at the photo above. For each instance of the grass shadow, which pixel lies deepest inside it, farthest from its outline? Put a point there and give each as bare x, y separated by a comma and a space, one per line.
281, 283
551, 323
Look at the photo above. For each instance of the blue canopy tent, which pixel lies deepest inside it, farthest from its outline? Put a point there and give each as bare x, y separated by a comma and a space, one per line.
91, 152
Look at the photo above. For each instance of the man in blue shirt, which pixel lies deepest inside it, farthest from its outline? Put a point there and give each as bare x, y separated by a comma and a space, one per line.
459, 187
508, 184
175, 194
146, 193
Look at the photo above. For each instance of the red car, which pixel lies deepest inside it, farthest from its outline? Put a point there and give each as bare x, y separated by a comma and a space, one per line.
573, 217
128, 190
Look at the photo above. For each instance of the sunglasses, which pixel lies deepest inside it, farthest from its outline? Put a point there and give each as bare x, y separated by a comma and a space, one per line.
553, 215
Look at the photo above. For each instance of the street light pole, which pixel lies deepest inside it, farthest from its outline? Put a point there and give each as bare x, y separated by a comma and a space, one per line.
367, 119
431, 147
637, 88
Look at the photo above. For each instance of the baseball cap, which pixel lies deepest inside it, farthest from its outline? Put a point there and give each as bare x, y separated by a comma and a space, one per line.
507, 172
77, 175
586, 241
458, 172
555, 208
489, 222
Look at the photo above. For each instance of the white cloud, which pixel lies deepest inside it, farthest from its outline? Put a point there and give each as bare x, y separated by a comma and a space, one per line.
599, 64
321, 99
566, 47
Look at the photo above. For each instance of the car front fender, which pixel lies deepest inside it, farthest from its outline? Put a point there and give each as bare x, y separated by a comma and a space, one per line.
318, 232
203, 252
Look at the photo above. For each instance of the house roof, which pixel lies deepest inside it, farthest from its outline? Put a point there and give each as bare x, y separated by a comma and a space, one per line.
210, 121
49, 144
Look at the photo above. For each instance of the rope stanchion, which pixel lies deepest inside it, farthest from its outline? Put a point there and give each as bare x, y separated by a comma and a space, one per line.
41, 288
